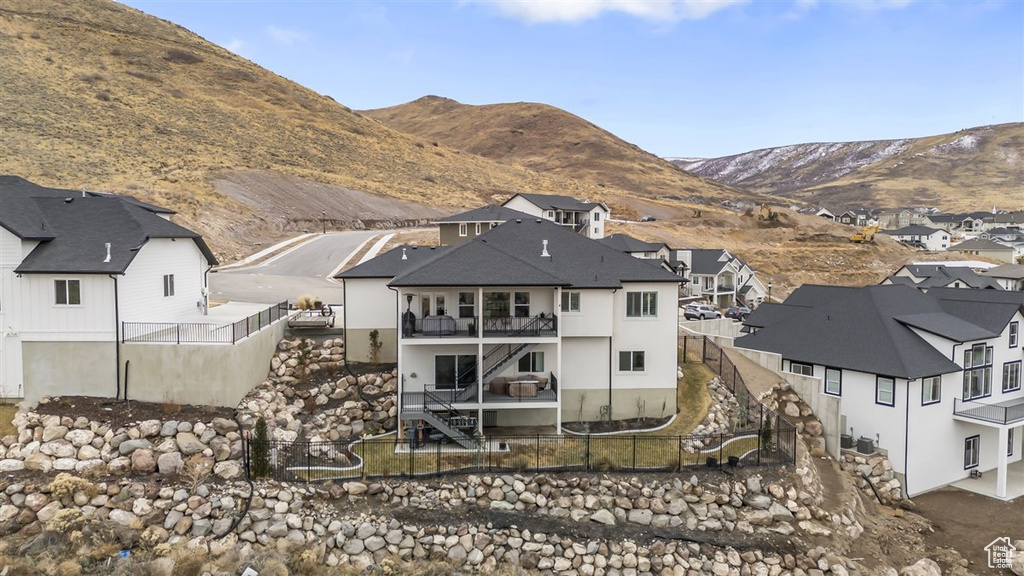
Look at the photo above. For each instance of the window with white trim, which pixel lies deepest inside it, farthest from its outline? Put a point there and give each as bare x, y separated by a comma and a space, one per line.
570, 301
977, 372
834, 381
799, 368
532, 362
463, 229
632, 361
972, 451
477, 228
1014, 334
1011, 376
467, 301
885, 391
931, 390
641, 304
67, 292
168, 285
522, 305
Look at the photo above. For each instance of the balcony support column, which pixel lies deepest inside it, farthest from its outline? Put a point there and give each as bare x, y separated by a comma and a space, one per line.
1001, 460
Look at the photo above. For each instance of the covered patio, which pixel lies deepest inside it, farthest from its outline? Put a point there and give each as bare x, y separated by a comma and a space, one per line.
987, 484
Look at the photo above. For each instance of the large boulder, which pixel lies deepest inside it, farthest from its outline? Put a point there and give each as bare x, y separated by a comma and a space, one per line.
923, 567
188, 444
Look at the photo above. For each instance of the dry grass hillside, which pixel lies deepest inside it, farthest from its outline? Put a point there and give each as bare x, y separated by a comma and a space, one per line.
548, 140
972, 169
100, 95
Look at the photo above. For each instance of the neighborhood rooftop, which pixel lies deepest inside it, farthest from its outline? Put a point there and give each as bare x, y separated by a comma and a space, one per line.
557, 202
489, 213
626, 243
74, 227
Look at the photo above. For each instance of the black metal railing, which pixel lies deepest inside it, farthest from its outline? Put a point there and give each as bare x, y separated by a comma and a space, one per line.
443, 327
1008, 413
512, 326
202, 333
415, 456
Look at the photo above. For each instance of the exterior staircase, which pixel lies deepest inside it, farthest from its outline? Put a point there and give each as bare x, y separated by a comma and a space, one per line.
502, 356
430, 408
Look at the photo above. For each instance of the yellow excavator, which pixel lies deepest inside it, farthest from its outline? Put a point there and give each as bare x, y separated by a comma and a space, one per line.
698, 214
865, 235
767, 213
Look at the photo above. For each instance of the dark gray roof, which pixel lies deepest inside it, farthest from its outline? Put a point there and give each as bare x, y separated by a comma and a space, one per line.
708, 261
510, 255
1015, 271
992, 310
628, 244
73, 229
489, 213
938, 275
851, 328
558, 202
979, 244
394, 262
942, 324
913, 230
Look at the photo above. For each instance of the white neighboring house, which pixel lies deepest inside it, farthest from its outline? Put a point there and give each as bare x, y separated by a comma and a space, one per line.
96, 291
921, 237
945, 275
934, 378
637, 248
718, 276
527, 324
586, 218
1009, 276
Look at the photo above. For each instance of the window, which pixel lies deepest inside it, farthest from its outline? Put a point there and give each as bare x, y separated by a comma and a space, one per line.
641, 304
977, 372
463, 229
570, 301
532, 362
931, 390
631, 361
466, 304
709, 283
885, 391
833, 381
168, 285
497, 305
439, 307
1011, 376
551, 214
492, 225
449, 369
477, 228
798, 368
597, 216
522, 304
67, 292
972, 451
1014, 333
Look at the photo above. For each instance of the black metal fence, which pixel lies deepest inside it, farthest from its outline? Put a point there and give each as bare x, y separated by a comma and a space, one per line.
393, 457
199, 332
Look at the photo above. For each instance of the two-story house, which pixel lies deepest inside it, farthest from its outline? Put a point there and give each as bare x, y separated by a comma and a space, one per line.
933, 378
637, 248
102, 295
921, 237
928, 276
528, 324
463, 227
854, 217
586, 218
720, 277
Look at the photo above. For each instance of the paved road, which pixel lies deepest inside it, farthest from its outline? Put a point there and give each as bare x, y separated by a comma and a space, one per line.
296, 272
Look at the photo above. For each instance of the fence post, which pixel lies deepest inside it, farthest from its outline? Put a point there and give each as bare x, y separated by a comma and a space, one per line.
679, 467
734, 377
177, 333
721, 447
721, 355
538, 452
759, 440
309, 461
412, 457
587, 453
634, 452
704, 349
438, 452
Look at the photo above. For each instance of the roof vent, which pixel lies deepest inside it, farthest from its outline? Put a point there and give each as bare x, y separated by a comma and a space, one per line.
539, 220
544, 249
107, 259
83, 191
519, 220
404, 255
68, 200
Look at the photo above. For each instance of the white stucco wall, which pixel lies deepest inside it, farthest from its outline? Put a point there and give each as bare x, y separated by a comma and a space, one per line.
593, 318
369, 304
141, 288
657, 337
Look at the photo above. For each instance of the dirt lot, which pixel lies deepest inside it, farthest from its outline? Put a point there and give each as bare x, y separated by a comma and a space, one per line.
967, 522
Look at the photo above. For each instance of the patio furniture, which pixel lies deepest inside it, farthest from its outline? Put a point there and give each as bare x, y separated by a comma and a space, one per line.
542, 382
523, 389
499, 386
439, 326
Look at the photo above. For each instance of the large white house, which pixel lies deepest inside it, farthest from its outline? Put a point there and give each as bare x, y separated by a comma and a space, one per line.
527, 324
934, 377
586, 218
932, 239
100, 295
719, 277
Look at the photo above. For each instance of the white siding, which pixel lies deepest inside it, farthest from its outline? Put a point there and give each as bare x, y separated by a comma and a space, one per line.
43, 319
370, 304
141, 288
523, 205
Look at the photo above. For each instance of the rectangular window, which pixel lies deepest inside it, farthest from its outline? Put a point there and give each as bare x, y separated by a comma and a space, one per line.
532, 362
439, 308
466, 304
477, 228
67, 292
641, 304
1011, 376
597, 216
522, 304
709, 283
977, 372
631, 361
885, 391
798, 368
972, 452
833, 381
931, 390
449, 369
1014, 334
168, 285
497, 305
570, 301
463, 229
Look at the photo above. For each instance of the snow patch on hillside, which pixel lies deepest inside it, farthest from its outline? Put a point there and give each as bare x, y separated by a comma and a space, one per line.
965, 143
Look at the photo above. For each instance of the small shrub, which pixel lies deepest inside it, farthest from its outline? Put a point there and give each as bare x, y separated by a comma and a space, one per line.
419, 145
430, 178
103, 96
116, 51
90, 78
195, 472
65, 485
178, 56
375, 347
143, 76
260, 462
34, 35
304, 302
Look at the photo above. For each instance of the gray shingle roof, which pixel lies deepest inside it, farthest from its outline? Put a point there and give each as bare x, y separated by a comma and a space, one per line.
992, 310
73, 230
942, 324
979, 244
1013, 271
394, 262
558, 202
510, 255
628, 244
852, 328
707, 261
489, 213
938, 275
914, 230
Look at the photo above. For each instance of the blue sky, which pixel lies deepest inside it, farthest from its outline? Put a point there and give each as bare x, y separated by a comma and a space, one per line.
694, 78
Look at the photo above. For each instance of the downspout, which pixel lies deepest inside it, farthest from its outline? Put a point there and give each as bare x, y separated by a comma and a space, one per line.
117, 339
206, 290
611, 360
906, 446
401, 377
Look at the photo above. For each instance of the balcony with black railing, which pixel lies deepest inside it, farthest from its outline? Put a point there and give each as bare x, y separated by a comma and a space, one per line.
1006, 412
473, 327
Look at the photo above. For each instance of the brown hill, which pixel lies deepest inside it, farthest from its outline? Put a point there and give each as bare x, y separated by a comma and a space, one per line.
101, 95
972, 169
548, 140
